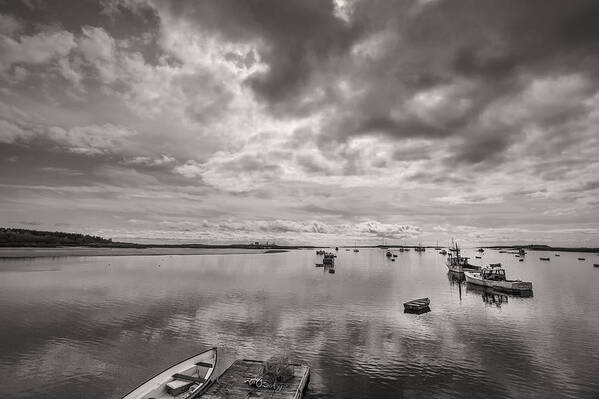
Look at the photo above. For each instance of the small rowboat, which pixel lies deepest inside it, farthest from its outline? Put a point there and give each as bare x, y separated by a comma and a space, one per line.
581, 259
544, 258
185, 380
417, 305
595, 264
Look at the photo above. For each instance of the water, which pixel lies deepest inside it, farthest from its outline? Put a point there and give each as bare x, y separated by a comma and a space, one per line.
95, 327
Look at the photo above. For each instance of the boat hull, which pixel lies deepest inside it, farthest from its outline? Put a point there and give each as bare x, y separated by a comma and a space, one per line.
507, 285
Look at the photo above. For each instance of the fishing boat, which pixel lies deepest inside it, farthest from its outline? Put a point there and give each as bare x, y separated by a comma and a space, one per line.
328, 259
388, 254
494, 277
520, 260
581, 259
457, 263
595, 264
557, 254
547, 259
521, 252
481, 250
443, 252
185, 380
477, 257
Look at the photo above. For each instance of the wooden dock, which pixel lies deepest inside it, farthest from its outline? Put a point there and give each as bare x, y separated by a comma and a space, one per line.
232, 383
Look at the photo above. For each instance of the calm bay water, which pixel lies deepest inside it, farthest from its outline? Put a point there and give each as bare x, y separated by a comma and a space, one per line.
95, 327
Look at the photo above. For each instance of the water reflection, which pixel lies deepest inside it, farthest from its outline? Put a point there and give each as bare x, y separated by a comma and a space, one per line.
456, 280
488, 295
77, 328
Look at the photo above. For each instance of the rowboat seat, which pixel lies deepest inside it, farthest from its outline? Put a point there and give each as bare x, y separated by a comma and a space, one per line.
181, 383
177, 387
186, 377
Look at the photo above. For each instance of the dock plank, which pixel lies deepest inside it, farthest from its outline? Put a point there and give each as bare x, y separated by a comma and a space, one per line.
231, 384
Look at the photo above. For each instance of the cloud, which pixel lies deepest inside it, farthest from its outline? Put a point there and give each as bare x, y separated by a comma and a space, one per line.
98, 48
9, 25
285, 112
36, 49
92, 139
147, 161
11, 133
287, 229
189, 169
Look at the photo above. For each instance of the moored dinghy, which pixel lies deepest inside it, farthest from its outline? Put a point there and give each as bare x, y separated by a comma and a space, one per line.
185, 380
417, 306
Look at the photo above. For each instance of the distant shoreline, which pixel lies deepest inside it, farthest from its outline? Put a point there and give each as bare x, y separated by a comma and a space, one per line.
534, 247
49, 252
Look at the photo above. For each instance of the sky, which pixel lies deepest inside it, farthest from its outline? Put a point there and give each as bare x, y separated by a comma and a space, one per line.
302, 122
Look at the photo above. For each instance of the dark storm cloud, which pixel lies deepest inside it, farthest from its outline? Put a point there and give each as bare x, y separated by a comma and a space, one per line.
136, 24
494, 48
300, 37
73, 14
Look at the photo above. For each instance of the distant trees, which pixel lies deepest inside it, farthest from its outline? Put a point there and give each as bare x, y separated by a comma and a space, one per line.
10, 237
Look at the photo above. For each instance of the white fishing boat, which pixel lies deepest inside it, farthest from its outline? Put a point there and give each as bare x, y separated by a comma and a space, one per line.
185, 380
494, 277
457, 263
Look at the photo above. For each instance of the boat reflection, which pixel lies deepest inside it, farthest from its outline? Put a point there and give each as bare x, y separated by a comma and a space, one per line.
456, 280
493, 297
326, 268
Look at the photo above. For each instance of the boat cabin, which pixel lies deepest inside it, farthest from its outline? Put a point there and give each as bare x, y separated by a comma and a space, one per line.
457, 260
493, 273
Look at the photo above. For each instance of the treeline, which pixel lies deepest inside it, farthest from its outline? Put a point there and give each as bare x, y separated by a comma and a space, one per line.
33, 238
540, 247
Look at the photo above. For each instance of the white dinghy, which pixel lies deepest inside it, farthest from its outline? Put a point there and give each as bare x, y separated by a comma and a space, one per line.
185, 380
